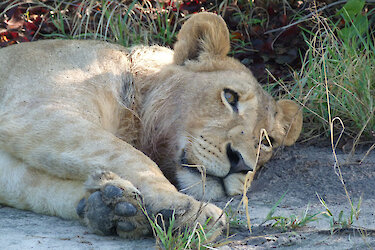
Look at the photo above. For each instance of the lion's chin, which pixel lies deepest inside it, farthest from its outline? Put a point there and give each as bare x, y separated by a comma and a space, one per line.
193, 183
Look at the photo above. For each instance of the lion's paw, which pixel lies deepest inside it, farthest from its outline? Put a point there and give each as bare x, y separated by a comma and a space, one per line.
202, 213
112, 206
234, 183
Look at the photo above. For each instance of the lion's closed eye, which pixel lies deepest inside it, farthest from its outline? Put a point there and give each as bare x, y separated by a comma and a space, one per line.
230, 97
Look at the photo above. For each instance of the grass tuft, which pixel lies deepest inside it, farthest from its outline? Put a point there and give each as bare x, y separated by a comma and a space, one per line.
340, 221
289, 223
167, 237
122, 22
336, 78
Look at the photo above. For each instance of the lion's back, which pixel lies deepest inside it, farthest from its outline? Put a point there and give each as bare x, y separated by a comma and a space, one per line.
59, 69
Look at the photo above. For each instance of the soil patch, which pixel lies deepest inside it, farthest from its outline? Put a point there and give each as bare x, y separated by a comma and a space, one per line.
303, 172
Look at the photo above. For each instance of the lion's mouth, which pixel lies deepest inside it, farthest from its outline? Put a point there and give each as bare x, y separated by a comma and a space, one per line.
184, 162
237, 163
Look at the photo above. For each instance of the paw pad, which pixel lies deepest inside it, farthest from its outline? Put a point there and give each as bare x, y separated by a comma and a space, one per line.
99, 214
125, 209
106, 212
81, 208
111, 192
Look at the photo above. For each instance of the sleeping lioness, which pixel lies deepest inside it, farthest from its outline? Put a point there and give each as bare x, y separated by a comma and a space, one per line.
94, 131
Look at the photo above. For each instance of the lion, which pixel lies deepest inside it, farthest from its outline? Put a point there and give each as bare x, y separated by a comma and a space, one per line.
105, 134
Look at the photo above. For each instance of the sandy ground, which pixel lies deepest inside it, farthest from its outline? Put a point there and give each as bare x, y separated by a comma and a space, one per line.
26, 230
301, 171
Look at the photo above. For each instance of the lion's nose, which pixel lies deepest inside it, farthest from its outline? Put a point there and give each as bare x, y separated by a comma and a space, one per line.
237, 163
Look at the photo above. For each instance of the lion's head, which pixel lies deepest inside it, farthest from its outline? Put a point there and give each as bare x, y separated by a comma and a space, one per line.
208, 110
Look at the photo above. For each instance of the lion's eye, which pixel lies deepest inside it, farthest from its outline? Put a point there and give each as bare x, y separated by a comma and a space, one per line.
232, 98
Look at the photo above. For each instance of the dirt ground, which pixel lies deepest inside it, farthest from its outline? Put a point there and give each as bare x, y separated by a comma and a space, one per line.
303, 171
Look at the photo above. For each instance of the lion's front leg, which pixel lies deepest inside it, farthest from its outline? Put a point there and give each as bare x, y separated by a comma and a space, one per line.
106, 203
64, 145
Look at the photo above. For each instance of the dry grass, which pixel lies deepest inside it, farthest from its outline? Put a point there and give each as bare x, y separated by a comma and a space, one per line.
336, 83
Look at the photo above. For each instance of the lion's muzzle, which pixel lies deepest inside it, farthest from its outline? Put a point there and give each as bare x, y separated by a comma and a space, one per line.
237, 163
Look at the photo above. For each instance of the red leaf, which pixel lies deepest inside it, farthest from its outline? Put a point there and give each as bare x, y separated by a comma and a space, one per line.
284, 20
292, 31
237, 35
30, 26
14, 35
38, 10
271, 11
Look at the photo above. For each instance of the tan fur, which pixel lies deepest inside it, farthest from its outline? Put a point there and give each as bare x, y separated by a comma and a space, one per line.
69, 109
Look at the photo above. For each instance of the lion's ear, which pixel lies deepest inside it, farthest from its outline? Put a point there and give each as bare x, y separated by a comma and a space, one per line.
203, 35
289, 116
